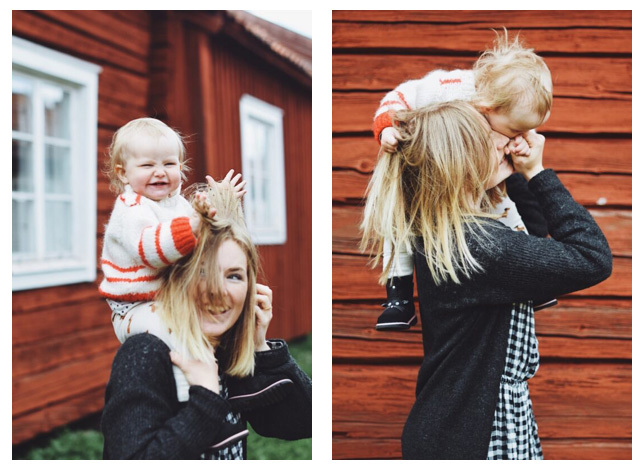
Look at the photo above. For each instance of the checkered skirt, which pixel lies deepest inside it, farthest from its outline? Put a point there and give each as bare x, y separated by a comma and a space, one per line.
234, 451
514, 432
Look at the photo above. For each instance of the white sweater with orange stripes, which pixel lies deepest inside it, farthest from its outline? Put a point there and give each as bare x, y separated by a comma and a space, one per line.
438, 86
142, 237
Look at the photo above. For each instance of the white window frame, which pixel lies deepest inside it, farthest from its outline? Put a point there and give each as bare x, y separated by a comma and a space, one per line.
254, 108
80, 78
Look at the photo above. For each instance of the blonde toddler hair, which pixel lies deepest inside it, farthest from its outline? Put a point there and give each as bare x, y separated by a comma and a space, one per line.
510, 75
180, 297
428, 187
119, 151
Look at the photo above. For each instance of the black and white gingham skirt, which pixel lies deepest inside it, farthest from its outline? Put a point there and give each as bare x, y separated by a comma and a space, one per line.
233, 451
514, 432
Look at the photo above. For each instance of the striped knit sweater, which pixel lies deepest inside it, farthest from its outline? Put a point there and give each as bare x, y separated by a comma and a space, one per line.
438, 86
142, 237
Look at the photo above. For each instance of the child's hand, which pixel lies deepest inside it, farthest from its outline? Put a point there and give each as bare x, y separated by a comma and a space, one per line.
389, 138
237, 187
263, 316
531, 164
519, 146
202, 207
198, 372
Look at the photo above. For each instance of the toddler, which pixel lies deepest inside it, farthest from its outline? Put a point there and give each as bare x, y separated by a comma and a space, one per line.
512, 87
151, 226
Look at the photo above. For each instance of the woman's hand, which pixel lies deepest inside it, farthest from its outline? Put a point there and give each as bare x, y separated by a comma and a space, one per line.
263, 316
531, 164
205, 374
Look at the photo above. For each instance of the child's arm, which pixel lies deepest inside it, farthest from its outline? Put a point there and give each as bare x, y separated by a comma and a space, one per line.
438, 86
156, 244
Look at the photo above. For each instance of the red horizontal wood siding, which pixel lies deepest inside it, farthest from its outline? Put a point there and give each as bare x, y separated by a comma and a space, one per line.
586, 341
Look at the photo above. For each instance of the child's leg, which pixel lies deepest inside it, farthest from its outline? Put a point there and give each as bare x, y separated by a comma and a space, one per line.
509, 215
145, 318
399, 313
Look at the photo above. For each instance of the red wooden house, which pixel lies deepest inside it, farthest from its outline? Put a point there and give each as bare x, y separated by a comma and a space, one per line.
239, 89
582, 392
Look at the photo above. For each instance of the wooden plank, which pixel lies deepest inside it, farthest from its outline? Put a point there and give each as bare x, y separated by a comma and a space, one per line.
115, 114
550, 347
559, 449
492, 18
578, 154
39, 356
37, 391
106, 26
46, 323
587, 189
31, 301
465, 38
603, 77
33, 27
353, 279
578, 449
353, 112
46, 419
123, 86
572, 317
616, 225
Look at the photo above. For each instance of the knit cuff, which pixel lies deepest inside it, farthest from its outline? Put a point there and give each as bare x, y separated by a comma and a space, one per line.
543, 180
184, 239
380, 123
275, 357
211, 404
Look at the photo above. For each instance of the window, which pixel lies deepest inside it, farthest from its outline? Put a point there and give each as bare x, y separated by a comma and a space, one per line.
262, 140
54, 127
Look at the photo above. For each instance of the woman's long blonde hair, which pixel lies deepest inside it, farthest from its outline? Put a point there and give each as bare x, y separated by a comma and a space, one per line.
431, 188
180, 296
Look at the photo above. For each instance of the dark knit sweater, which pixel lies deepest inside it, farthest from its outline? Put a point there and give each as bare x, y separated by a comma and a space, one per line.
143, 419
465, 326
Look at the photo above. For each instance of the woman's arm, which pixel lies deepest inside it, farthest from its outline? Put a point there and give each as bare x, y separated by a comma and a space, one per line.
519, 268
527, 205
290, 418
142, 418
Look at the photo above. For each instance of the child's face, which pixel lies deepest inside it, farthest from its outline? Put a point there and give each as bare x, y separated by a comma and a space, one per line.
515, 122
152, 167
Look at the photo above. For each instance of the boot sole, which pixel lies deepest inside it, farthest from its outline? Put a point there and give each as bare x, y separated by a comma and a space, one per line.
397, 326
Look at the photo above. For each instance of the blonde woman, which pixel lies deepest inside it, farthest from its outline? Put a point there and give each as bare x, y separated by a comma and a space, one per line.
218, 316
511, 86
477, 278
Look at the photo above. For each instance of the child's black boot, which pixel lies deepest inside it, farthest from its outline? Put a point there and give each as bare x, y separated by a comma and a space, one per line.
400, 313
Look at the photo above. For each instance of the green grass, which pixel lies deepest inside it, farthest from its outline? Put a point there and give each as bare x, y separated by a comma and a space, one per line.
83, 441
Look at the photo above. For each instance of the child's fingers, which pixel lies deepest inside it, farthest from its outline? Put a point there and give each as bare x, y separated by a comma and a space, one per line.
233, 182
210, 181
228, 176
241, 185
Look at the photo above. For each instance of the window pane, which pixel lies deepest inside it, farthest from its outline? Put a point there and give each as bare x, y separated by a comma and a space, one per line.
56, 103
22, 90
22, 167
57, 170
58, 227
22, 227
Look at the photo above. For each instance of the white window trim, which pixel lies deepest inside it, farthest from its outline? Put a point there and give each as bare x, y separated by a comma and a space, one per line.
82, 77
251, 106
